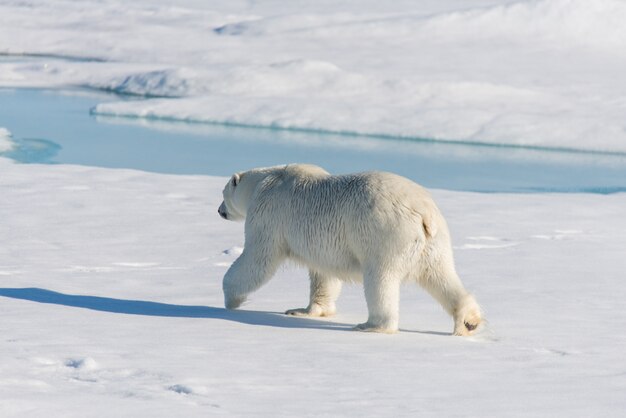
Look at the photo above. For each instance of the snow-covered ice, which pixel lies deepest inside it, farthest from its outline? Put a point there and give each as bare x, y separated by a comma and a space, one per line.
112, 306
544, 73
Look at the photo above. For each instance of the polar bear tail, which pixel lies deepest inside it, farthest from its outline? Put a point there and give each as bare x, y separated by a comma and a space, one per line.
430, 226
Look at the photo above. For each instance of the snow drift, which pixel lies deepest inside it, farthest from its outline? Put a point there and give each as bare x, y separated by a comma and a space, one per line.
541, 73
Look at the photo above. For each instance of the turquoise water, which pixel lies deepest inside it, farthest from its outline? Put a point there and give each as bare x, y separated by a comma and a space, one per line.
57, 127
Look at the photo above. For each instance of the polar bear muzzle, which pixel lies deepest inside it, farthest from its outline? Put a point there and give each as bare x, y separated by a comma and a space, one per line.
222, 211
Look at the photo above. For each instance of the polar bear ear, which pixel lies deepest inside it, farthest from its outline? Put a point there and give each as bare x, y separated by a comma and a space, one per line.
235, 179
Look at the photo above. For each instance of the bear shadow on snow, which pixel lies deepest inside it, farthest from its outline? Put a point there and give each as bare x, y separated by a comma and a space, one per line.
147, 308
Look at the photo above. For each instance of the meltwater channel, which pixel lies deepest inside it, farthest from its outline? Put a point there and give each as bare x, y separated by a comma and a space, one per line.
56, 127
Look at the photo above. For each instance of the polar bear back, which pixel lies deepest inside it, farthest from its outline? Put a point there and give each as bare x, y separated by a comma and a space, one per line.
338, 223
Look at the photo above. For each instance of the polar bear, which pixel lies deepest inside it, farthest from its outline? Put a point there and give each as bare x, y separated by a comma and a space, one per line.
376, 228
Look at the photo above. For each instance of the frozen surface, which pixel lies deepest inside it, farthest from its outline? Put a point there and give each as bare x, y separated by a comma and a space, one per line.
65, 133
112, 306
110, 292
539, 73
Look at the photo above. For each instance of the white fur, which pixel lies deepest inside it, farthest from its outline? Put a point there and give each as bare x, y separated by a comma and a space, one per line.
375, 227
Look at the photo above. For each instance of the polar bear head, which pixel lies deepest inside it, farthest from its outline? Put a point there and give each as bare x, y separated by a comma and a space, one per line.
240, 189
236, 195
238, 192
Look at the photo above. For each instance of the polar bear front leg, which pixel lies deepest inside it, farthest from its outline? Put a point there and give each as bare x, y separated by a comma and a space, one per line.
254, 267
324, 293
382, 293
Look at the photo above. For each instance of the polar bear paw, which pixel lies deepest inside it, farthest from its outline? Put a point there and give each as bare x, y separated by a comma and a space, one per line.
468, 317
233, 302
467, 327
367, 327
314, 310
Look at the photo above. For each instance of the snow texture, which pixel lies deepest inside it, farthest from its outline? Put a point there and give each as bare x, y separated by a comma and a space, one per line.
538, 73
111, 297
111, 305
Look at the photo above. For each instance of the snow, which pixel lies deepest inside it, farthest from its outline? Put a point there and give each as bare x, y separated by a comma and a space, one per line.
540, 73
112, 305
111, 297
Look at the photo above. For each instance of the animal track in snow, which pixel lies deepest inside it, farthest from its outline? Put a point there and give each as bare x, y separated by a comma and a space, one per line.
197, 391
182, 389
232, 251
81, 363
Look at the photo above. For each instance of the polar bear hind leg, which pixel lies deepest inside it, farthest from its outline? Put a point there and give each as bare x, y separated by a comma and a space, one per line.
382, 293
448, 290
324, 293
